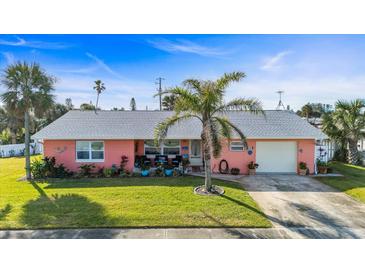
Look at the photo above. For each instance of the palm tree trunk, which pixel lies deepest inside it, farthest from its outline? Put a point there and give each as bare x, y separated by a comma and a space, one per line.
353, 156
27, 149
13, 137
97, 101
207, 158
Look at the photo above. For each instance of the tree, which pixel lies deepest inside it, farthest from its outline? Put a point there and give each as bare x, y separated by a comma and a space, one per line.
204, 100
168, 102
345, 125
69, 104
133, 104
99, 87
87, 106
28, 90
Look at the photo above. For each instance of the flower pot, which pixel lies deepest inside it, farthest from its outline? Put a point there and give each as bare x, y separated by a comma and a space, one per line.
302, 172
169, 172
322, 169
145, 173
252, 171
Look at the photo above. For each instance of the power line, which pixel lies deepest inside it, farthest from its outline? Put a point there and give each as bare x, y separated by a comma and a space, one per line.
159, 89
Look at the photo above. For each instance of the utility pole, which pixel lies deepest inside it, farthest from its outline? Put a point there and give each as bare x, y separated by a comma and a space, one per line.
159, 89
280, 104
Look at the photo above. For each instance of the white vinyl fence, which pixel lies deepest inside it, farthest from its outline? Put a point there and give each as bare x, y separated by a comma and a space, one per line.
325, 150
18, 149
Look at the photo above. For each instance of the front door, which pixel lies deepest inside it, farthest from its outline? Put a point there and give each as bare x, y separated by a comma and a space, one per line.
196, 153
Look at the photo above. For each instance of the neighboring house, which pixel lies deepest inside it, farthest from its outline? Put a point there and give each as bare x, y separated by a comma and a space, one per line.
277, 141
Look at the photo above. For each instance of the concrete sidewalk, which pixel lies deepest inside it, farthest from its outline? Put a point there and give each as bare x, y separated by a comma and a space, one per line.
179, 233
147, 233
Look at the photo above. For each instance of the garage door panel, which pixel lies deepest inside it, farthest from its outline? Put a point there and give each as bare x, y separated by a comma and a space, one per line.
280, 157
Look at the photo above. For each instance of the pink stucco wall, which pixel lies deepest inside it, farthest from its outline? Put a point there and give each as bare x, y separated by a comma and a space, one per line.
306, 151
240, 159
235, 159
65, 152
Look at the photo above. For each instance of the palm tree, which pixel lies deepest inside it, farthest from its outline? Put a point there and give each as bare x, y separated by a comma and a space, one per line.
99, 87
168, 102
345, 125
28, 90
204, 100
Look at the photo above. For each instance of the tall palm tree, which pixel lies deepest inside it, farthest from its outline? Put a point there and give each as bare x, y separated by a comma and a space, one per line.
346, 126
28, 90
204, 100
99, 87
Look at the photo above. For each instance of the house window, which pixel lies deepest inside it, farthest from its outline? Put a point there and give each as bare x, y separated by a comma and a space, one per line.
150, 148
168, 147
90, 151
171, 147
236, 146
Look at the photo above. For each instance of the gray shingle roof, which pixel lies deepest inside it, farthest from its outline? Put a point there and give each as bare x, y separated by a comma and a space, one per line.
78, 124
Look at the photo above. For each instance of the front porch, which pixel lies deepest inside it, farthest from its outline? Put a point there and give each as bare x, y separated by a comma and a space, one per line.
171, 152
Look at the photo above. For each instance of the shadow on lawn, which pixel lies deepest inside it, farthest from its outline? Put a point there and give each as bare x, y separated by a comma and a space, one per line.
5, 211
67, 210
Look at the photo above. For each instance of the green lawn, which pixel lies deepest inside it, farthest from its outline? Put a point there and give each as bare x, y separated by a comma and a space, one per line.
130, 202
353, 183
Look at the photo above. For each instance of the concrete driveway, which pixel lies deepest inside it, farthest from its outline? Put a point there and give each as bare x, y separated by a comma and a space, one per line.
306, 208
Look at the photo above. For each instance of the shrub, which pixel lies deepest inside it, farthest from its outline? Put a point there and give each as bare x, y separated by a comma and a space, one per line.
108, 172
235, 171
123, 163
86, 169
37, 169
47, 168
302, 165
253, 165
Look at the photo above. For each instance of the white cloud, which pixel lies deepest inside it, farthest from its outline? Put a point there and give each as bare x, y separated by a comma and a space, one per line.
103, 65
20, 42
273, 62
9, 57
186, 47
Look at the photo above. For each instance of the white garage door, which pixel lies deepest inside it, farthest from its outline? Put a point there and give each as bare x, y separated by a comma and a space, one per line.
276, 157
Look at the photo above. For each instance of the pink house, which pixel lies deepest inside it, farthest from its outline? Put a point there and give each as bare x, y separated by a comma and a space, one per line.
277, 141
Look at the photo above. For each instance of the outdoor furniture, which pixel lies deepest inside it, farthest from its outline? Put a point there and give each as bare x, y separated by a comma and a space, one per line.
176, 162
142, 160
161, 159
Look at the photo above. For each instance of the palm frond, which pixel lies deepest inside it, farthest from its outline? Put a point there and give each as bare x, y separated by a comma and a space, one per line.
224, 122
252, 105
162, 128
228, 78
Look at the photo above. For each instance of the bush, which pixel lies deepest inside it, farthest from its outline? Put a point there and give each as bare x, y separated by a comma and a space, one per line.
37, 168
108, 172
235, 171
86, 169
47, 168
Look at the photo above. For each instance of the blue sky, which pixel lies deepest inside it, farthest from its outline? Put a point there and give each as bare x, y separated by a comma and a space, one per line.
309, 68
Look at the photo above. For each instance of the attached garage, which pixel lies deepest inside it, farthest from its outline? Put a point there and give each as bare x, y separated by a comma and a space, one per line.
280, 156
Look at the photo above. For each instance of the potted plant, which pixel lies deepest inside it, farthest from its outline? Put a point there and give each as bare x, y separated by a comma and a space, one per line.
145, 170
235, 171
168, 170
302, 168
322, 167
252, 168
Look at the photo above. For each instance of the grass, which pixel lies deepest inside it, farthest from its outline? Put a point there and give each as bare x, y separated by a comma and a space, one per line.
129, 202
352, 184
